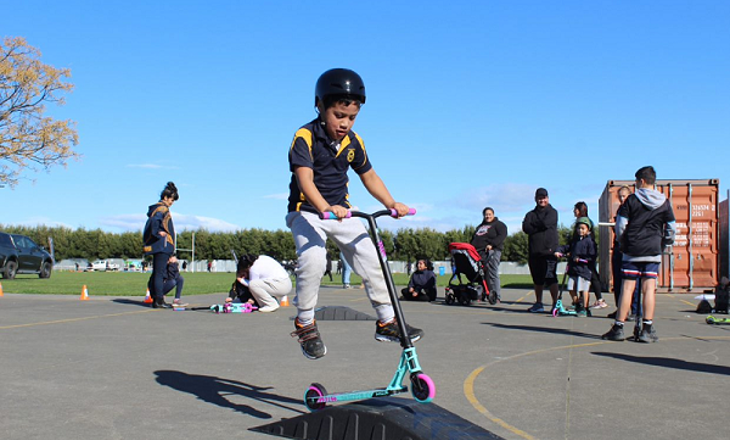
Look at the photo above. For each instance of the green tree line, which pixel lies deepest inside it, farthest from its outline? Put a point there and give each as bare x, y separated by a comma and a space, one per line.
404, 245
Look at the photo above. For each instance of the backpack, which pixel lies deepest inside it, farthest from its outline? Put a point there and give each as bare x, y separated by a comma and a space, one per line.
704, 307
241, 292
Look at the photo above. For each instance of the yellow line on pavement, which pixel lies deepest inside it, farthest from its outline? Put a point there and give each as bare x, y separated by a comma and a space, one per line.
531, 292
471, 397
671, 295
64, 321
469, 392
469, 382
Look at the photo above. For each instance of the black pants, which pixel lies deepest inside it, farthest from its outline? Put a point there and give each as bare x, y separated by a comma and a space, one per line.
423, 294
157, 279
596, 282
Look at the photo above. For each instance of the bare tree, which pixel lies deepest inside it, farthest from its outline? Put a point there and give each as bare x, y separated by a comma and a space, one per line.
28, 139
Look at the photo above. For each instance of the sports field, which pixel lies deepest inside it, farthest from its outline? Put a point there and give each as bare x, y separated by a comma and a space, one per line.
200, 283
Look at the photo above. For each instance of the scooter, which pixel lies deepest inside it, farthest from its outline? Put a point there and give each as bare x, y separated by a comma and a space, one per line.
233, 308
422, 387
559, 309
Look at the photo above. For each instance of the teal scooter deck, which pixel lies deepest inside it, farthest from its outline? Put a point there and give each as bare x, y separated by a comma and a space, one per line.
560, 310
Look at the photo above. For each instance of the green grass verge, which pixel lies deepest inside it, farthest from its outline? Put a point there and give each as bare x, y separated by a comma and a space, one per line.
135, 284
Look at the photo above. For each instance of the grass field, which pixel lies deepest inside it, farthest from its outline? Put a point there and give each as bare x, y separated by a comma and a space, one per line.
135, 283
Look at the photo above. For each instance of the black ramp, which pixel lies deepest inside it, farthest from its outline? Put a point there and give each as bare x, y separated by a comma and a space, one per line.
340, 313
378, 419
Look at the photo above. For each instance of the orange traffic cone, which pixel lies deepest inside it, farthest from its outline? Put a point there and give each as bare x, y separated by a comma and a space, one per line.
1, 289
284, 301
148, 298
84, 294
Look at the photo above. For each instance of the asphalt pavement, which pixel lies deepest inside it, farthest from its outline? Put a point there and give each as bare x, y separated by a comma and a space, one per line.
113, 368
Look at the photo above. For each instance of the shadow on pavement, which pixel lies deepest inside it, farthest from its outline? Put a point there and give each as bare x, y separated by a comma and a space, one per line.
669, 363
525, 286
131, 302
216, 390
558, 331
500, 308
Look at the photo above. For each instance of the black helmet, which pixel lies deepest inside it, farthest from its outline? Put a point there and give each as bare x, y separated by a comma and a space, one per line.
340, 82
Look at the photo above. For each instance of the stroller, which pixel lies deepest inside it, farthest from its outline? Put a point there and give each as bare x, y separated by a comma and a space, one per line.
466, 261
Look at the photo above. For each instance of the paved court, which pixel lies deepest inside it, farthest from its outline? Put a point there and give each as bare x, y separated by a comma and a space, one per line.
112, 368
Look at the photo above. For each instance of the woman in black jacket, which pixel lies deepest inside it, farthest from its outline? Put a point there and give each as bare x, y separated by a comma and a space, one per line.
488, 240
159, 241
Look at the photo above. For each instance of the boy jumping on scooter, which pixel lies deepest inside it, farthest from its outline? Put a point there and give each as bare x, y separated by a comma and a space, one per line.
320, 156
582, 253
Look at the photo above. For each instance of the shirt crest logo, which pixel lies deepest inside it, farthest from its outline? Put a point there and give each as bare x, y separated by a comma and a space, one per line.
350, 155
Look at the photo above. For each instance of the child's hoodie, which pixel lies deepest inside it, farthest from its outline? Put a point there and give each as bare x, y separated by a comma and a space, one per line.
583, 248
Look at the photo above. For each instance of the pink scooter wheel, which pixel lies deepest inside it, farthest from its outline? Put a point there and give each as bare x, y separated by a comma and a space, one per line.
314, 392
423, 388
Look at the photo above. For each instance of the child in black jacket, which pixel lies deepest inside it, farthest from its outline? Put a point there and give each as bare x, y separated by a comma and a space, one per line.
422, 286
582, 252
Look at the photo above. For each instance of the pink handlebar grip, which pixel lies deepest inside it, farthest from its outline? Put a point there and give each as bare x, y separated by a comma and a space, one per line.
331, 215
394, 213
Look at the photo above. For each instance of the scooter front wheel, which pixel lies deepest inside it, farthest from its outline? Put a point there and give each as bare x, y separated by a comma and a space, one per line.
314, 392
422, 388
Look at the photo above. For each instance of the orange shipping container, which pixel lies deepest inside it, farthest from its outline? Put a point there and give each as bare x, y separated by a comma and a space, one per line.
692, 263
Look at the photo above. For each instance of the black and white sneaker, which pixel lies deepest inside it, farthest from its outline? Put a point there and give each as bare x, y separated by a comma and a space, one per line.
389, 332
312, 345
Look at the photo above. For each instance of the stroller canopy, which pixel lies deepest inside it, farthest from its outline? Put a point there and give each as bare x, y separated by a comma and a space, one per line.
464, 248
467, 261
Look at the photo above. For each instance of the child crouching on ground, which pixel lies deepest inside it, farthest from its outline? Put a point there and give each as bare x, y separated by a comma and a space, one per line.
264, 279
582, 254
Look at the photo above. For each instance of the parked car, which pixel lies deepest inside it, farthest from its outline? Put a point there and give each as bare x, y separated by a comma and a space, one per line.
104, 265
20, 254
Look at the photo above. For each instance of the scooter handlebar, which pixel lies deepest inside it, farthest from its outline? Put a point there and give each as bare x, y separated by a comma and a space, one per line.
392, 212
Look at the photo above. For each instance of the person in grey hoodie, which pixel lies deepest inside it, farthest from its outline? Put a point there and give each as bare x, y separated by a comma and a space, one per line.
645, 224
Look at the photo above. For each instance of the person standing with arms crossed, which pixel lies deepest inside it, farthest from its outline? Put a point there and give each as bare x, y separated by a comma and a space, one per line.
541, 226
645, 224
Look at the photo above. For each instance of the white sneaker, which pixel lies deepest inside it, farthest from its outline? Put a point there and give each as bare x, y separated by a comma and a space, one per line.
267, 309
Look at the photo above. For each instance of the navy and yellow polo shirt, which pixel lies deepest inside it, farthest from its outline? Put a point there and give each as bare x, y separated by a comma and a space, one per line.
330, 161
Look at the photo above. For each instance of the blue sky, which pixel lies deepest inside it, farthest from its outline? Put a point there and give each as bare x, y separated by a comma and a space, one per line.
469, 103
